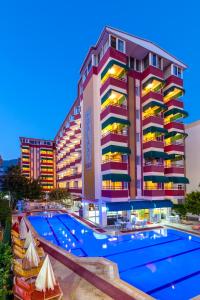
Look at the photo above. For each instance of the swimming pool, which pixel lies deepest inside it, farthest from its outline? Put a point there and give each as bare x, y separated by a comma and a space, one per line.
164, 263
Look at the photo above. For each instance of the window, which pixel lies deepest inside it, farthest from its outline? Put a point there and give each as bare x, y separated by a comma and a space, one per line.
137, 160
131, 62
137, 65
137, 114
137, 91
177, 71
106, 46
146, 61
120, 45
113, 42
138, 183
154, 60
89, 65
137, 137
180, 187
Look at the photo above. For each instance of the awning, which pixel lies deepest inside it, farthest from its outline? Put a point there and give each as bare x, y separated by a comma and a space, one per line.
155, 154
155, 178
112, 120
183, 180
107, 95
116, 177
173, 133
110, 64
119, 149
174, 111
154, 103
154, 129
137, 204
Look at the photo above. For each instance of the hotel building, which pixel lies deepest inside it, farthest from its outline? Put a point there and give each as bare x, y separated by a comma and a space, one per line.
122, 145
192, 146
38, 161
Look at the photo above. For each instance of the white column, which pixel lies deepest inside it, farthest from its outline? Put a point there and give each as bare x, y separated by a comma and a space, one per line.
102, 215
85, 210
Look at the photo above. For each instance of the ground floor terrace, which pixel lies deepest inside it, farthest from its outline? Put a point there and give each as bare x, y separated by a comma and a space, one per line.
124, 215
160, 263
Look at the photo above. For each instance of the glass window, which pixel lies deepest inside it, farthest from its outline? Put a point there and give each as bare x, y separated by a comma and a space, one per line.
138, 183
113, 41
137, 91
179, 73
138, 160
175, 71
146, 62
159, 62
137, 114
154, 60
137, 137
89, 65
131, 62
137, 65
120, 45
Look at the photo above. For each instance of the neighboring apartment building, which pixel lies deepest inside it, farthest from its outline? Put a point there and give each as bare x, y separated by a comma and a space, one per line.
38, 161
121, 147
68, 152
192, 153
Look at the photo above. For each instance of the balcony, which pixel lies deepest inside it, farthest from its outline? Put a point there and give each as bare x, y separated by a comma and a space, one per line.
153, 120
75, 190
153, 96
120, 110
113, 97
175, 169
114, 137
175, 113
115, 82
175, 103
114, 165
174, 126
152, 71
114, 193
151, 168
172, 92
180, 148
152, 83
154, 193
153, 144
174, 80
174, 193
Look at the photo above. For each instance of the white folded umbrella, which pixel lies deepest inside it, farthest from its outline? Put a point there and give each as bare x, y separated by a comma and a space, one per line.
31, 258
29, 239
22, 229
46, 278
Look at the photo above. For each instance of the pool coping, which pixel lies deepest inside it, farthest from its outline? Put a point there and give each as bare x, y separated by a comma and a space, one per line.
113, 286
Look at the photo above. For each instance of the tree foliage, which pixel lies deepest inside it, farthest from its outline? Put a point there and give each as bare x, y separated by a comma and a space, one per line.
5, 270
5, 211
58, 195
19, 187
192, 202
35, 189
180, 209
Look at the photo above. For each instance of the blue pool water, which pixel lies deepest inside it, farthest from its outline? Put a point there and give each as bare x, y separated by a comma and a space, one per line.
164, 263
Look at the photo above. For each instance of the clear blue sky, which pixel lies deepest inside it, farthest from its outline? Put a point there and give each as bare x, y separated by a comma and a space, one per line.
43, 43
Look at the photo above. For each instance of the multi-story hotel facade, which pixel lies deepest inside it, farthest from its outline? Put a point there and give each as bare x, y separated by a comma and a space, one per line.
122, 145
38, 161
